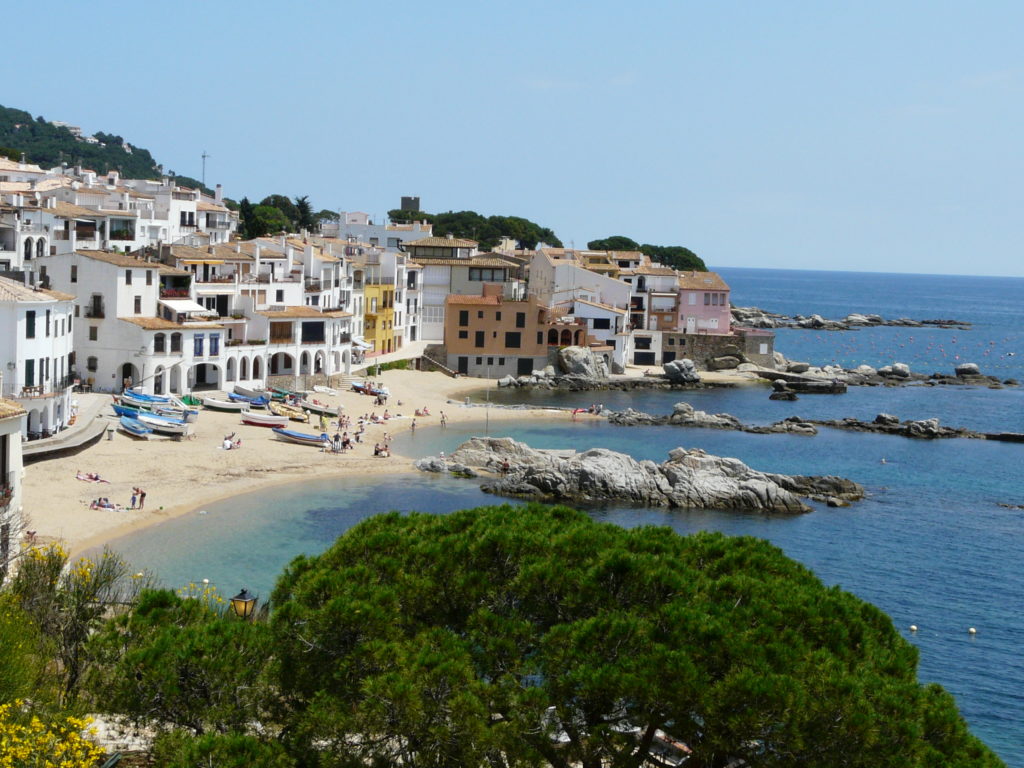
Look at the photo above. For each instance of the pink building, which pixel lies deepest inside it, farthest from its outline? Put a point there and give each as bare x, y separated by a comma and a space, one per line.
703, 304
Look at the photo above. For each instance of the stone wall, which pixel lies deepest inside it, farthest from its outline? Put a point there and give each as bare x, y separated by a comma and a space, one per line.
702, 347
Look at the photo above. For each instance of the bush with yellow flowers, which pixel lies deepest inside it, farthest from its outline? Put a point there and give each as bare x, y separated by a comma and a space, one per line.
26, 741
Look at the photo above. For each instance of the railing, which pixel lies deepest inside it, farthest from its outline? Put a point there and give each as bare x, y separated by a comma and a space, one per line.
217, 224
174, 293
282, 339
266, 279
345, 338
313, 284
94, 312
215, 279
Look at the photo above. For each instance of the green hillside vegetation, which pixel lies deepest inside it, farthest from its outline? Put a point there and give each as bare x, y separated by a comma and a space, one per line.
675, 256
486, 230
49, 146
494, 637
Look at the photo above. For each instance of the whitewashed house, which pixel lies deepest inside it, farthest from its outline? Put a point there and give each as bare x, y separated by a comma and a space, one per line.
36, 354
12, 521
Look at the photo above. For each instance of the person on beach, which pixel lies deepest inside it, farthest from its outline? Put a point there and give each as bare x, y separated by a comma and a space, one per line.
142, 498
133, 498
412, 427
444, 420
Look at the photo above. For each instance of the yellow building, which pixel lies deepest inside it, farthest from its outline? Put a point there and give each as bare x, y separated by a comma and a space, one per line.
379, 315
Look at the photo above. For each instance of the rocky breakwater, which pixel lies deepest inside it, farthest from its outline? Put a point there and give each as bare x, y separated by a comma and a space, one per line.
688, 479
580, 369
894, 375
753, 317
684, 415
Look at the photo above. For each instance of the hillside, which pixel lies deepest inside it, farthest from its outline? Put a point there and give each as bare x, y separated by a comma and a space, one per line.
50, 145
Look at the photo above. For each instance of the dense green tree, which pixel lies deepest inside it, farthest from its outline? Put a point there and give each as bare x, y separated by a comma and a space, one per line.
231, 750
487, 231
675, 256
10, 153
614, 243
285, 206
304, 218
326, 214
245, 213
179, 661
266, 220
532, 635
21, 665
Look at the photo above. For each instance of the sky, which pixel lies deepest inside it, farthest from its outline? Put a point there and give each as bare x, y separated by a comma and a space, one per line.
865, 136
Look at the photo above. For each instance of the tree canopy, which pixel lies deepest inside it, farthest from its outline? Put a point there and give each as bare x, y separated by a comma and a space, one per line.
486, 230
675, 256
534, 636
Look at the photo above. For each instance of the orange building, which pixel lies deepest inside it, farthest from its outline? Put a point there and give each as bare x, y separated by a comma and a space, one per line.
490, 337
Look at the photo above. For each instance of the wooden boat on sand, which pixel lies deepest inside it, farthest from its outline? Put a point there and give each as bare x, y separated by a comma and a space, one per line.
302, 438
134, 427
263, 419
289, 411
224, 405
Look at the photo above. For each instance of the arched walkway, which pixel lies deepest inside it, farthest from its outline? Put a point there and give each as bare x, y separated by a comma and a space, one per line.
579, 338
130, 376
34, 423
318, 362
205, 376
553, 337
257, 368
304, 363
243, 369
231, 369
175, 380
40, 247
566, 340
28, 253
158, 380
281, 363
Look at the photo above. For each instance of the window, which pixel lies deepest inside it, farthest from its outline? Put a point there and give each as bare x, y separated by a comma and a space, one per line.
642, 342
490, 361
30, 324
175, 342
480, 314
91, 364
47, 322
501, 361
93, 333
691, 299
520, 319
478, 274
540, 337
197, 348
463, 334
138, 305
127, 277
513, 339
479, 361
149, 277
30, 373
671, 341
497, 316
707, 299
160, 343
478, 340
602, 323
74, 273
279, 296
714, 299
214, 343
463, 317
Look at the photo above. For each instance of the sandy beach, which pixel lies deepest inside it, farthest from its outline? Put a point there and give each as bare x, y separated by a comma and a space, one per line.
180, 476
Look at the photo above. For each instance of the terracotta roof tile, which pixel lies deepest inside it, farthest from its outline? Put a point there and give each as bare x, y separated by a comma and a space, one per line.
441, 242
10, 409
452, 298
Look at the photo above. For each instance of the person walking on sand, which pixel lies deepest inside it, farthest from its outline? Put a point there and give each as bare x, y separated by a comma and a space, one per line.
444, 420
412, 427
142, 498
134, 491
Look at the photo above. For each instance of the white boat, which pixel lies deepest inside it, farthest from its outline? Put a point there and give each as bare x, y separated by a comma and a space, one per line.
325, 390
252, 392
319, 408
263, 419
163, 425
224, 405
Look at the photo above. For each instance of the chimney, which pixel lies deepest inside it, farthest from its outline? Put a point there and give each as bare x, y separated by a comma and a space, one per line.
21, 163
218, 193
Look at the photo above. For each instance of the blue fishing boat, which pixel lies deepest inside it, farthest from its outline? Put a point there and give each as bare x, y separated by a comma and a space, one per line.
136, 394
302, 438
134, 427
254, 402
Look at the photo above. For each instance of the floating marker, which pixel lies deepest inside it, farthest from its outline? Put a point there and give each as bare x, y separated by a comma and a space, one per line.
972, 631
913, 627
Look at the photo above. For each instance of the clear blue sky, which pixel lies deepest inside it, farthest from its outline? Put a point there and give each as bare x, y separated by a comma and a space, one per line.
873, 136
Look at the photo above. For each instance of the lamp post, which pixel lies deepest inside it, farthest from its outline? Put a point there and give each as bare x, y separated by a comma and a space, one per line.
487, 407
243, 604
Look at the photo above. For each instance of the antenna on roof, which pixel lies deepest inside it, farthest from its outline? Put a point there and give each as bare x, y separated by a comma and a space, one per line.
204, 156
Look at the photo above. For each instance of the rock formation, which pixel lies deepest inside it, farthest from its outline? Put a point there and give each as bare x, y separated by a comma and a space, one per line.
691, 478
681, 371
684, 415
752, 317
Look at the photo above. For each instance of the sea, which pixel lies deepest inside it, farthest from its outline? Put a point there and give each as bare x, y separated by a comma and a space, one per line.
938, 543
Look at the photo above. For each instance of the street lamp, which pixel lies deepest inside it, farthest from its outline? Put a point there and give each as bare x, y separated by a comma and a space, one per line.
243, 604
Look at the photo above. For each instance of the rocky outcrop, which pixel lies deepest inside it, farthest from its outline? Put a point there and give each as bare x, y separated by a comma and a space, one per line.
885, 423
684, 415
689, 478
752, 317
682, 371
580, 361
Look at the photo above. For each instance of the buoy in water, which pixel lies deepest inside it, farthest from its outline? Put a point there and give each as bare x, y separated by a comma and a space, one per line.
972, 631
913, 627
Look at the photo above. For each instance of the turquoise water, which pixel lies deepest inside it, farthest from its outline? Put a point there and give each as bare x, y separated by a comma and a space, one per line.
930, 545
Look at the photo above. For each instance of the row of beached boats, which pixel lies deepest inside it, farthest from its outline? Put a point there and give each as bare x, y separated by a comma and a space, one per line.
141, 414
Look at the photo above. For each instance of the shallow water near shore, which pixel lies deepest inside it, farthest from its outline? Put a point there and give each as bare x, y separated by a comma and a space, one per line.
930, 545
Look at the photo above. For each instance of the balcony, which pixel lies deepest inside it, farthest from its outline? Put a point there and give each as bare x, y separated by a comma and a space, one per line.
215, 279
218, 224
171, 293
95, 313
313, 285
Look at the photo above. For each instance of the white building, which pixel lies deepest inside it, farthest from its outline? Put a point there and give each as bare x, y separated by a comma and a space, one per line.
37, 354
12, 521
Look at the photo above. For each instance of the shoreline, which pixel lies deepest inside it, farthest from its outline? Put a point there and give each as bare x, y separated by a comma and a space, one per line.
180, 477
